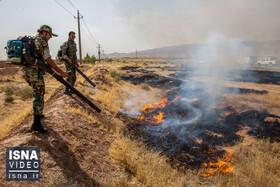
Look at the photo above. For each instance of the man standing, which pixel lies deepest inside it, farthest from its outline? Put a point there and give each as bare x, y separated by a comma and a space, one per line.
35, 76
69, 51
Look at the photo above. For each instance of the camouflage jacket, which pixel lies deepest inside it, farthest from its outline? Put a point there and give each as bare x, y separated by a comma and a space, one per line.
69, 50
42, 50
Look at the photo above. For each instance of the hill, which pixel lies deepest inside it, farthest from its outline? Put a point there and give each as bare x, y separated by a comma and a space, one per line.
255, 48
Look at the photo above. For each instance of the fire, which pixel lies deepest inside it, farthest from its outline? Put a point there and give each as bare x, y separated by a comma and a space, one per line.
147, 109
150, 108
149, 114
159, 118
153, 113
223, 165
156, 119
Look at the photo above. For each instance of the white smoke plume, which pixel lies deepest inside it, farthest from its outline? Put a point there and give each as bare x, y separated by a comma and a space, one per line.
220, 58
164, 23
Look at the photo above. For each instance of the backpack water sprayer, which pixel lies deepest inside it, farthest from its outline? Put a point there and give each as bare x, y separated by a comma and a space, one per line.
22, 52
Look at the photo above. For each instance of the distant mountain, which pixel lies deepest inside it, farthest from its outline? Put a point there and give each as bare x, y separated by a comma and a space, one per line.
253, 48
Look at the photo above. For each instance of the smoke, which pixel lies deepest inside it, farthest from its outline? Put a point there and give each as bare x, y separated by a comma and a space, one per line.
131, 105
178, 126
217, 60
134, 102
194, 114
162, 23
221, 26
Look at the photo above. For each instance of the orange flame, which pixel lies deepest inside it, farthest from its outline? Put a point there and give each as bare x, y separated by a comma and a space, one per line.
162, 103
154, 119
223, 165
147, 109
159, 118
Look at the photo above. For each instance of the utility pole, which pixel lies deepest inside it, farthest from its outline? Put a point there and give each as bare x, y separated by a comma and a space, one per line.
98, 52
136, 53
79, 33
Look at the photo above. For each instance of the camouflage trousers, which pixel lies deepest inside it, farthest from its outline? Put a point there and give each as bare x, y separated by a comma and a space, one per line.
35, 78
72, 78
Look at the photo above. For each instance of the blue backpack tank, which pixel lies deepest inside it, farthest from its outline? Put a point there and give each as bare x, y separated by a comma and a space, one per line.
16, 48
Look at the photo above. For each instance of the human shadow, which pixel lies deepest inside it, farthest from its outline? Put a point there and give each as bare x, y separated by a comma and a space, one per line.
64, 158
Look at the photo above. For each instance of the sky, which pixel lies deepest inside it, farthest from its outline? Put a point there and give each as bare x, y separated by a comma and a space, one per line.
127, 25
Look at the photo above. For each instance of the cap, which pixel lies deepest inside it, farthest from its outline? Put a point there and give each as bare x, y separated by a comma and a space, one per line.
48, 29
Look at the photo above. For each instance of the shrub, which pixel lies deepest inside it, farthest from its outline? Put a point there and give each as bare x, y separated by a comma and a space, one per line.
89, 60
115, 75
25, 92
9, 89
9, 98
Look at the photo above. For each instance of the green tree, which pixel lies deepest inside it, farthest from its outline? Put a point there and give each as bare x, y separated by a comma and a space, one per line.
89, 59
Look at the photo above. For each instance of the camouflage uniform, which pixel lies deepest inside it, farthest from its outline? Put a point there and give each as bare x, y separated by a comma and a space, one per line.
69, 50
35, 76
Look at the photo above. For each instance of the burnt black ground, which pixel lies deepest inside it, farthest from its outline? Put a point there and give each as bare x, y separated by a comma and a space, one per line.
201, 141
254, 76
153, 80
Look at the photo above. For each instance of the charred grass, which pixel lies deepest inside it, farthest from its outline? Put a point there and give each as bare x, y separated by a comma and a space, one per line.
257, 163
269, 101
258, 160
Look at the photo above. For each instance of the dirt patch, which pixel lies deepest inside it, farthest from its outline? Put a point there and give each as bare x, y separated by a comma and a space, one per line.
4, 65
10, 70
99, 77
74, 151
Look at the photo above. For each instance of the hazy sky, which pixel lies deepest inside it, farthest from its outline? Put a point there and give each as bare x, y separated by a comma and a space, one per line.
126, 25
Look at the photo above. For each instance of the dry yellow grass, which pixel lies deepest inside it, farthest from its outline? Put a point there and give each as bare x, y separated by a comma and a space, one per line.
257, 165
12, 120
82, 112
269, 102
144, 167
123, 95
258, 162
16, 114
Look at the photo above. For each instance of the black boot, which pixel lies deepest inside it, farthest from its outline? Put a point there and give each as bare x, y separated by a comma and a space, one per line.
67, 92
37, 126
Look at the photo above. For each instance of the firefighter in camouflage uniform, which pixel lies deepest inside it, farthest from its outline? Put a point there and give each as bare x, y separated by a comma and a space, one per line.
69, 51
35, 76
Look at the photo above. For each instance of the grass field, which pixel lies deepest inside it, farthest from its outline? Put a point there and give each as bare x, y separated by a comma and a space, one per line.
257, 160
257, 163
